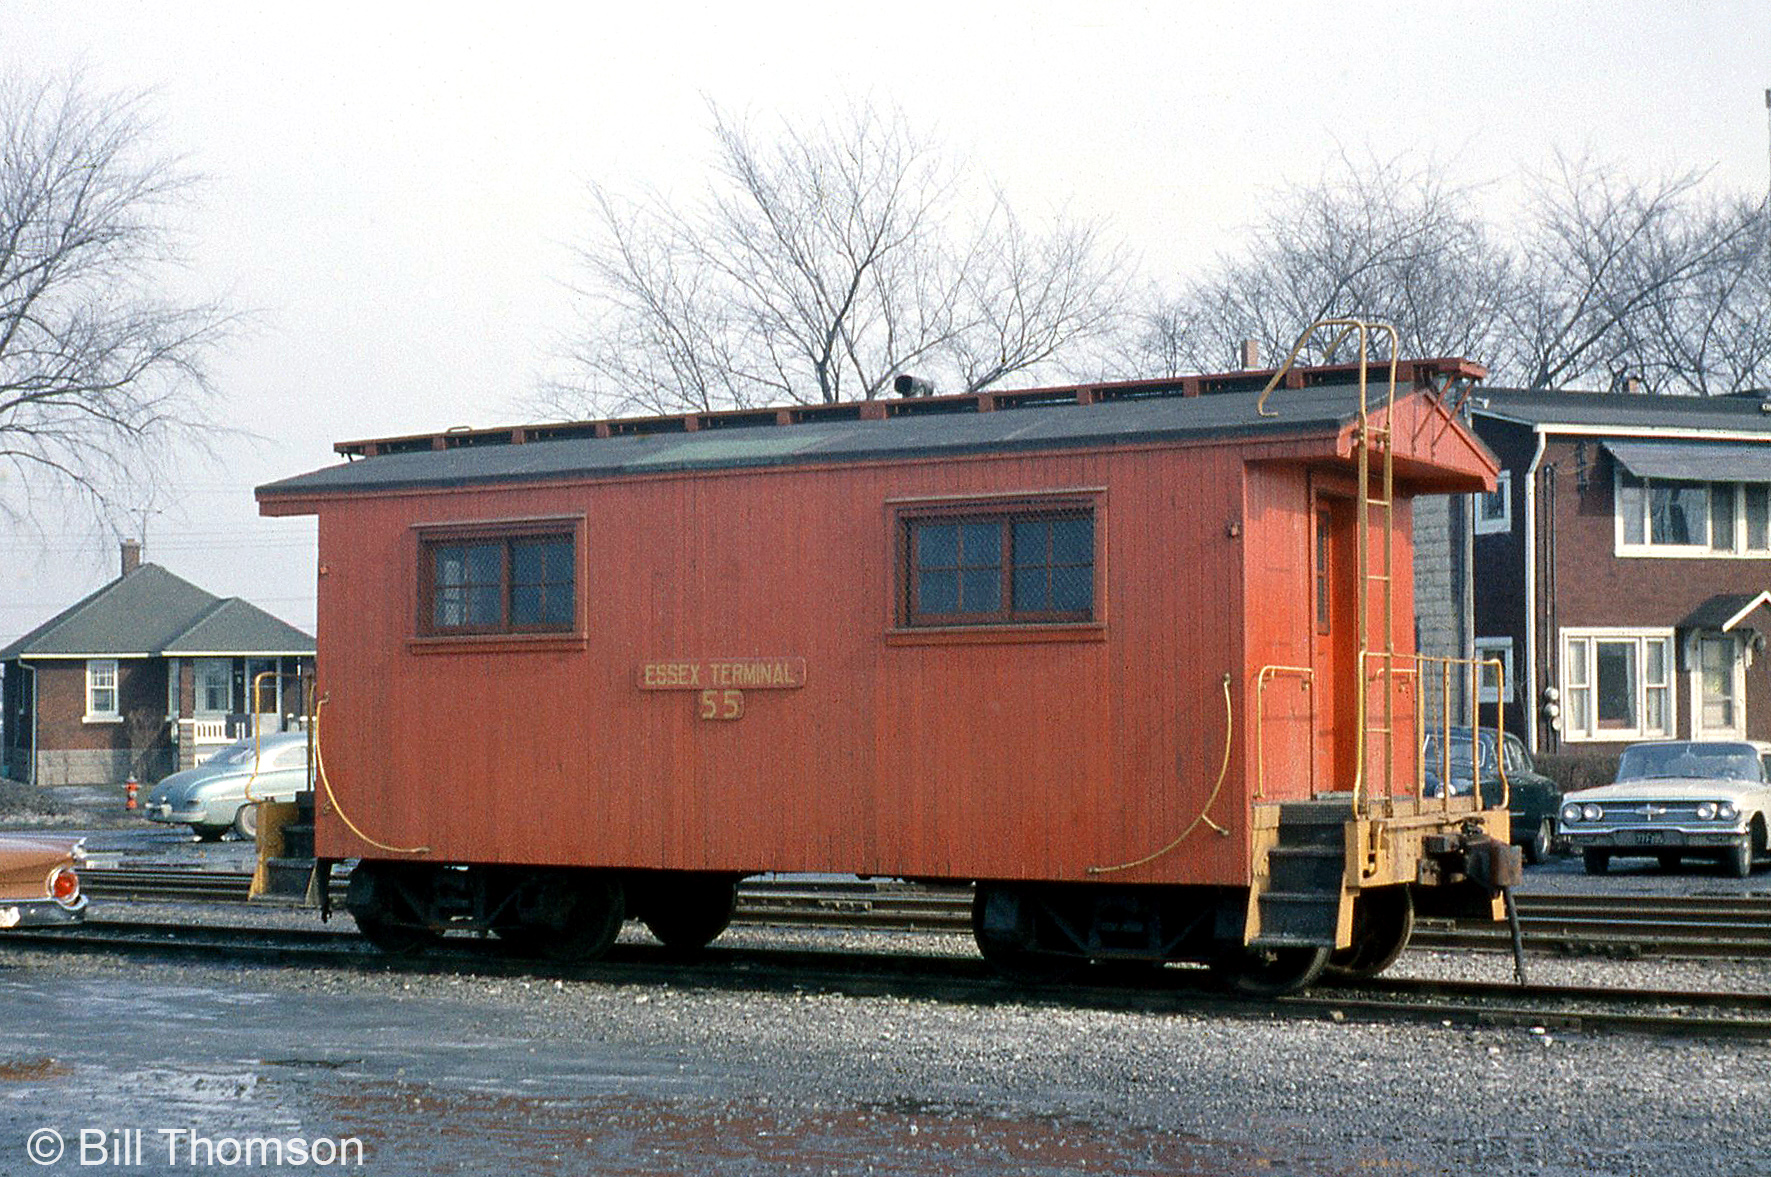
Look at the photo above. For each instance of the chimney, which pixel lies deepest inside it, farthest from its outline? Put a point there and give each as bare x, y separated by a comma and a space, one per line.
131, 556
1632, 386
1249, 354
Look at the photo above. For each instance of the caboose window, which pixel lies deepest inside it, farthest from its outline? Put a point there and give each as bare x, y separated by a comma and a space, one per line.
1000, 568
511, 584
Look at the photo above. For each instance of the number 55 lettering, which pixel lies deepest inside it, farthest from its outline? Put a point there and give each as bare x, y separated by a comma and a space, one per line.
722, 704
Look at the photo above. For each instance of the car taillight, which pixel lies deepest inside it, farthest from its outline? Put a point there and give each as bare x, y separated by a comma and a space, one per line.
64, 886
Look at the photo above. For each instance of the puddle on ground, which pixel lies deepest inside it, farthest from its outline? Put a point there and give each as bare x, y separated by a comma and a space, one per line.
417, 1128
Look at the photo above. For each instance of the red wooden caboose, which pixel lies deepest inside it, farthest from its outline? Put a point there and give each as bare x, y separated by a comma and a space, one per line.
1099, 650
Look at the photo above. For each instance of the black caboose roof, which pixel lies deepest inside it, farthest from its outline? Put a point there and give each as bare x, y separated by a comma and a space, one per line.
1039, 419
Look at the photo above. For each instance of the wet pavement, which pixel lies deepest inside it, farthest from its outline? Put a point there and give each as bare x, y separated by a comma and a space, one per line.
163, 1077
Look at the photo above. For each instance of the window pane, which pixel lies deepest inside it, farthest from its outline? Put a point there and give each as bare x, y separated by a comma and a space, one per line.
557, 609
1678, 513
451, 608
483, 605
525, 563
1631, 500
981, 590
1574, 669
1073, 541
485, 563
1032, 542
1073, 589
1722, 517
982, 545
1617, 684
938, 592
1031, 593
1655, 651
525, 604
1655, 712
559, 562
937, 545
1757, 508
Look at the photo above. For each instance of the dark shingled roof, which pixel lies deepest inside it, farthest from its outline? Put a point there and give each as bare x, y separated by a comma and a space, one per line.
1126, 421
1727, 611
1731, 414
151, 611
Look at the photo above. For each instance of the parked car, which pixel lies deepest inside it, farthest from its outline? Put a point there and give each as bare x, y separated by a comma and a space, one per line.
1674, 799
1532, 798
213, 797
39, 880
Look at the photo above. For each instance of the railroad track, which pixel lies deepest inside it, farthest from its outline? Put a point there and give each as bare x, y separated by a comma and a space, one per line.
1696, 927
954, 980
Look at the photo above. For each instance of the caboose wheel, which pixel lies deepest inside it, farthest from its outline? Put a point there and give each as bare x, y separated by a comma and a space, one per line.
1269, 972
688, 912
1002, 925
394, 939
1383, 920
567, 917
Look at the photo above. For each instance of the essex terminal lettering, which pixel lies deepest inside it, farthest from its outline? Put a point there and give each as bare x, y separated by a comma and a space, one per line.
754, 674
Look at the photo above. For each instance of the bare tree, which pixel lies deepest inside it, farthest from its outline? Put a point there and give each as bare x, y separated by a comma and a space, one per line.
1382, 239
1602, 276
98, 369
1624, 276
818, 265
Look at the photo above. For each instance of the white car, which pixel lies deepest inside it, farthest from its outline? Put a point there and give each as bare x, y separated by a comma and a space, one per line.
1675, 799
222, 792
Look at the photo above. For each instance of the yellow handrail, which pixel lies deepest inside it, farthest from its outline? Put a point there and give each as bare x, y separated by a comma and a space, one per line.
1267, 673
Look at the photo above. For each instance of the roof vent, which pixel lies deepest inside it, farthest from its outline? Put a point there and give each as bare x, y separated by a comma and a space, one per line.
904, 384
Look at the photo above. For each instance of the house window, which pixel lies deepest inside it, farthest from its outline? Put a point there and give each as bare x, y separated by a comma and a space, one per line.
518, 583
215, 686
1617, 684
1495, 688
1494, 509
1676, 517
1719, 673
999, 567
101, 690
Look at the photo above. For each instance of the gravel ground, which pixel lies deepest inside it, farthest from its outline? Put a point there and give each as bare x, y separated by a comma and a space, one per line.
603, 1077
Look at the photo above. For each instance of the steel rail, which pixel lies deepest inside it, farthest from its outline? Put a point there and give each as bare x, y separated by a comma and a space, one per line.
845, 971
1704, 927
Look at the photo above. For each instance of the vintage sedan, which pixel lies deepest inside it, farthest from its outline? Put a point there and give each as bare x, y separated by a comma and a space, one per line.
223, 792
1676, 799
1532, 798
39, 880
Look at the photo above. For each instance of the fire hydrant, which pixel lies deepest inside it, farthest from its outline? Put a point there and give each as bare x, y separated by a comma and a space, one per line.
130, 788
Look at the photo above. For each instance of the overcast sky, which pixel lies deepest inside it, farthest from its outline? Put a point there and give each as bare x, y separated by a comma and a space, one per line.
394, 188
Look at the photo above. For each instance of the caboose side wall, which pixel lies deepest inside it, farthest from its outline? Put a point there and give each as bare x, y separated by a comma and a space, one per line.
905, 753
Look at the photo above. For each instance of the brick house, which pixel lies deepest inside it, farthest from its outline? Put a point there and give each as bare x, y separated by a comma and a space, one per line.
144, 676
1622, 569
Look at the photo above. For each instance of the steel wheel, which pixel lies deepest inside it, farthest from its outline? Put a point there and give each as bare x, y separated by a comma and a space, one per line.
1270, 972
1383, 920
579, 918
687, 914
1013, 950
394, 939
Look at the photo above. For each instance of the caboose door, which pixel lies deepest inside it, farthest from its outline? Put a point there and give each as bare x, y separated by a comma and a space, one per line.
1334, 642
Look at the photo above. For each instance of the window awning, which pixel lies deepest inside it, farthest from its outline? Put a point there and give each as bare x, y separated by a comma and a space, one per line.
1728, 611
1699, 461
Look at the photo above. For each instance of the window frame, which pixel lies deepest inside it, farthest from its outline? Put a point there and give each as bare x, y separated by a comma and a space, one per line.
906, 623
1501, 523
1736, 544
198, 667
1700, 730
1497, 649
506, 534
114, 713
1589, 639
